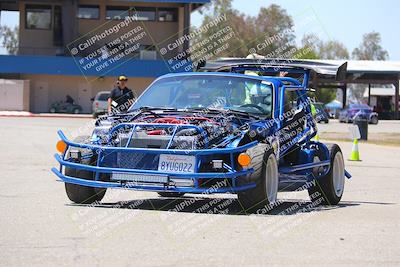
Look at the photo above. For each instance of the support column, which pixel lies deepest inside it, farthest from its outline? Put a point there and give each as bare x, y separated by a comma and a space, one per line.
186, 25
369, 94
69, 22
396, 99
344, 99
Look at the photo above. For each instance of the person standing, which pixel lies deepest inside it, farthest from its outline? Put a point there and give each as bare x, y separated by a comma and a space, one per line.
121, 97
69, 99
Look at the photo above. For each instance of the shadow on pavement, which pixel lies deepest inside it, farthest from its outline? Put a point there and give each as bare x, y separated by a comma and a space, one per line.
227, 206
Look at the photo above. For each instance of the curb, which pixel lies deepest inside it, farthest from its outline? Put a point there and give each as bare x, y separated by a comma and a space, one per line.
25, 114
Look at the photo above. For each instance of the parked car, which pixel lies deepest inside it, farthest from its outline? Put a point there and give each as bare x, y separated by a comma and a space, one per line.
100, 102
322, 115
347, 115
65, 107
210, 132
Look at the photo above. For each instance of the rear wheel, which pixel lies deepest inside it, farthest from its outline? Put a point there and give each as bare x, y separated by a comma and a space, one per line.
78, 193
52, 110
328, 190
374, 120
265, 175
170, 194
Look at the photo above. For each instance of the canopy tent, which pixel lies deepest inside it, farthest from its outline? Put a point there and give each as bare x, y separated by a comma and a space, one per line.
335, 104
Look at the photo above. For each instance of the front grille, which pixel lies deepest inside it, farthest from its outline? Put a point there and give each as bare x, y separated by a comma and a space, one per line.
130, 160
137, 161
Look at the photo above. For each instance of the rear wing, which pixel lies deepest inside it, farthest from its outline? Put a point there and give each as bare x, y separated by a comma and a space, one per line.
336, 69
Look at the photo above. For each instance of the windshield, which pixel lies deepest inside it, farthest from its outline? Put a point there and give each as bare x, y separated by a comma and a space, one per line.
209, 91
103, 97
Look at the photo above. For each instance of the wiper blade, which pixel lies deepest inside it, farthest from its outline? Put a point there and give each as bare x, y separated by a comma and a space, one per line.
145, 108
135, 113
206, 110
241, 112
232, 111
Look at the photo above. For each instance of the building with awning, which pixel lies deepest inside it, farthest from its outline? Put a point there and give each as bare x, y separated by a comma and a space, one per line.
382, 99
62, 44
377, 74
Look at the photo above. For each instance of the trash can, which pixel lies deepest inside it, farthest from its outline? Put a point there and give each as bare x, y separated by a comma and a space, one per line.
362, 123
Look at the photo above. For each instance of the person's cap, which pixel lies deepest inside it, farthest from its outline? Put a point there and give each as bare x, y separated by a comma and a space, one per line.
122, 78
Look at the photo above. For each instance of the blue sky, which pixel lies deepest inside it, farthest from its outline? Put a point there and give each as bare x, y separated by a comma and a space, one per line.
342, 20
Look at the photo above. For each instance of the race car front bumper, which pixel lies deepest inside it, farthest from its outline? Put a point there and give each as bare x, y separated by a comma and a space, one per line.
224, 182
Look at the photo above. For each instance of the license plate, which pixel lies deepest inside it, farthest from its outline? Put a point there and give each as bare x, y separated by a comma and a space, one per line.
140, 178
176, 163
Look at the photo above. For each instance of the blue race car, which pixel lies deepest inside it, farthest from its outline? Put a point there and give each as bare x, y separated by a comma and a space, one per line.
347, 115
220, 130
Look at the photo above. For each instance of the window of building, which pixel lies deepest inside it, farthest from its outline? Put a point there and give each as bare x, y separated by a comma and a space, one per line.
88, 12
167, 14
38, 17
117, 13
144, 13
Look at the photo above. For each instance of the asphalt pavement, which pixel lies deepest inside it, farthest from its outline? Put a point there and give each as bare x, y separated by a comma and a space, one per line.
39, 226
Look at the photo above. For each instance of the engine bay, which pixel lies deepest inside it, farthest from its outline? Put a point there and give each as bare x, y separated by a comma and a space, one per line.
175, 129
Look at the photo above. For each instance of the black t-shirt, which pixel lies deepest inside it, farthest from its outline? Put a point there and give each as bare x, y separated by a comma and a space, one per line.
121, 96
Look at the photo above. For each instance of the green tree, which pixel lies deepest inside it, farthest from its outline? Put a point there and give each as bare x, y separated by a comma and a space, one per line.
314, 48
370, 48
331, 49
9, 39
218, 9
271, 22
308, 49
324, 95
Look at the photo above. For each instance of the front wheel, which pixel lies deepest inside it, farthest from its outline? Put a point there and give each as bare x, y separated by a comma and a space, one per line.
328, 190
265, 175
83, 194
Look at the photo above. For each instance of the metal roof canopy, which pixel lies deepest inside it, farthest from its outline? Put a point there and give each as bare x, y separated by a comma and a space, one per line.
365, 72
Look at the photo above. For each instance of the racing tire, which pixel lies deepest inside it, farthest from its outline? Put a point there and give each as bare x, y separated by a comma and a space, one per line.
328, 190
170, 194
265, 175
76, 111
52, 110
83, 194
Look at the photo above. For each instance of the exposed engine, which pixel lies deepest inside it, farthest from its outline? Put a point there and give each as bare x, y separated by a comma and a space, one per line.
155, 130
